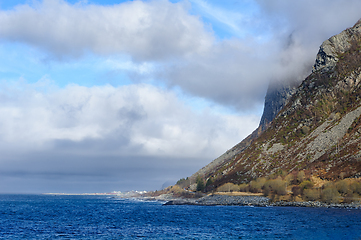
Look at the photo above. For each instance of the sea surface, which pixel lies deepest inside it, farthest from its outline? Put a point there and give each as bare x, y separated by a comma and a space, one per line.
101, 217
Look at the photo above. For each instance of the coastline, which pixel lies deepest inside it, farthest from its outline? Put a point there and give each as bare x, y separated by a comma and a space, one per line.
256, 201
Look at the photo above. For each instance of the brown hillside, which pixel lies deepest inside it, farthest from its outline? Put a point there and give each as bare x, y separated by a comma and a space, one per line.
318, 130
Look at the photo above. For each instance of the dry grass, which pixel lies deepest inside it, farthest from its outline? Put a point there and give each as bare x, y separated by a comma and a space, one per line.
238, 194
318, 182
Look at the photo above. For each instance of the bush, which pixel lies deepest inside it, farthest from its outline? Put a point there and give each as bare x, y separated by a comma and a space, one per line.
330, 195
277, 186
266, 190
350, 197
243, 187
356, 187
290, 179
311, 194
209, 182
305, 130
342, 186
301, 176
200, 184
228, 187
183, 182
296, 190
257, 185
305, 185
176, 189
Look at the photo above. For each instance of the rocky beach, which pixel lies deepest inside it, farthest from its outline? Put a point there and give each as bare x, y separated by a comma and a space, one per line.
257, 201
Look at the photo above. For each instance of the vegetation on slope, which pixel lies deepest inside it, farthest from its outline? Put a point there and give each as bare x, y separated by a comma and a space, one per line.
299, 186
321, 103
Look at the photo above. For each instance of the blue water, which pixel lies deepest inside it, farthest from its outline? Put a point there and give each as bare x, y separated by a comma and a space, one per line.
95, 217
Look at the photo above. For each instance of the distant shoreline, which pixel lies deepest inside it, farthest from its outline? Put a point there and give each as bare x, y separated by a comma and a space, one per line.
128, 194
219, 199
249, 200
81, 194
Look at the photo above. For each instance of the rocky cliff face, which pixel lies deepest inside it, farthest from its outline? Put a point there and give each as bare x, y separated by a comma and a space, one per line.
331, 49
316, 127
278, 95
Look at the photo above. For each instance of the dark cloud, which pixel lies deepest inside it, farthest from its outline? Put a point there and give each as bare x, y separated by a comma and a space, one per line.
105, 138
49, 172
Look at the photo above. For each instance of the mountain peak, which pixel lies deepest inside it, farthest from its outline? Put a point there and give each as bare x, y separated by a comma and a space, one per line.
331, 49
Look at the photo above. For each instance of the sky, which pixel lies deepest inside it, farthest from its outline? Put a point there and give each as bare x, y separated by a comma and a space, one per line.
110, 95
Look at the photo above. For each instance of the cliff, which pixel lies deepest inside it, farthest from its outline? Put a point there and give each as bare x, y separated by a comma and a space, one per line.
277, 96
314, 127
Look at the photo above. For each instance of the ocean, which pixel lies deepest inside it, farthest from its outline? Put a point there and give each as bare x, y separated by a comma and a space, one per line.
104, 217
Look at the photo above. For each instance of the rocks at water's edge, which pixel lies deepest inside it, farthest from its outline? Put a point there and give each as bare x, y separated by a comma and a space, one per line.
258, 201
213, 200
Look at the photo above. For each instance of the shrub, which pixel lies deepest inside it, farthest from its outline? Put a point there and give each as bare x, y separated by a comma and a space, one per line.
342, 186
257, 185
296, 190
305, 185
350, 197
183, 182
356, 187
277, 186
266, 190
301, 176
209, 182
228, 187
305, 130
200, 184
311, 194
330, 195
243, 187
290, 178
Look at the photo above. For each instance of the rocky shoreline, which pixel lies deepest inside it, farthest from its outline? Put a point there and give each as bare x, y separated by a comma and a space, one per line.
257, 201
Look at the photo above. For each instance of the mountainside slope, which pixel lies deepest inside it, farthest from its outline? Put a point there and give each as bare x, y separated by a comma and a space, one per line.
278, 95
318, 129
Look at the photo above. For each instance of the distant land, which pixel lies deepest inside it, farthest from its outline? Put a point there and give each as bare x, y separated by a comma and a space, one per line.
127, 194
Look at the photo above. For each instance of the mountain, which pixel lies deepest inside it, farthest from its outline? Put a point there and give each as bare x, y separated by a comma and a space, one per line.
278, 94
315, 127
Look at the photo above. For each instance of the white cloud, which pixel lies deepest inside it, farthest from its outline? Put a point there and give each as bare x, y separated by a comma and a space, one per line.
153, 30
163, 41
236, 72
144, 68
127, 137
141, 116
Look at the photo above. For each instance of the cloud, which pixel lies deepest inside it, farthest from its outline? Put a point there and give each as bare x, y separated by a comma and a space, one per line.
228, 75
300, 27
108, 132
165, 42
154, 30
281, 45
317, 20
231, 19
